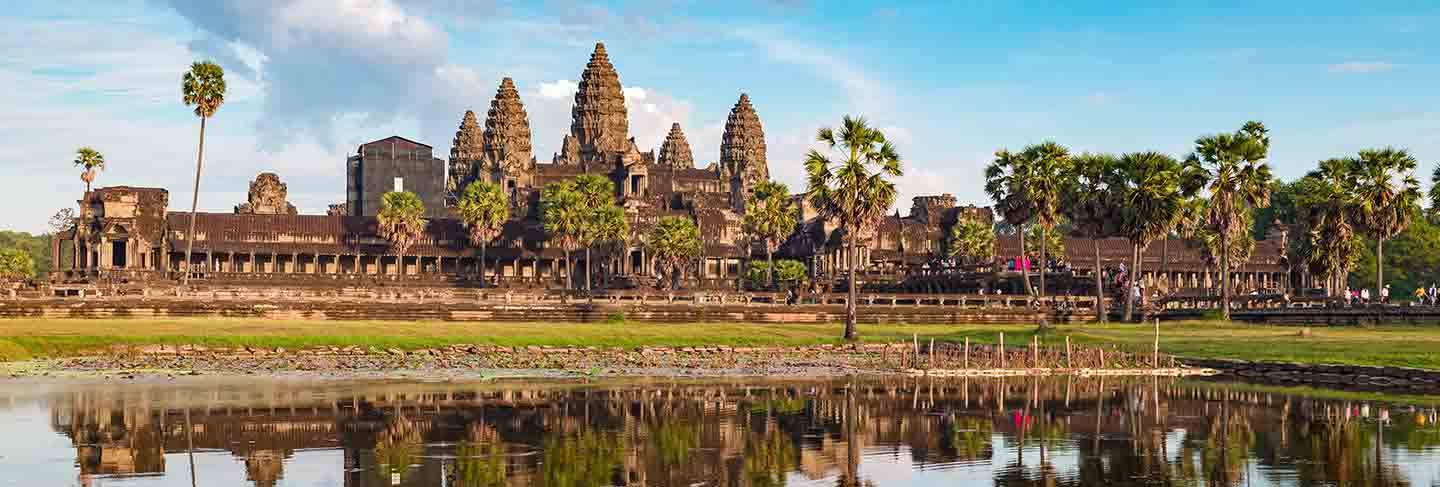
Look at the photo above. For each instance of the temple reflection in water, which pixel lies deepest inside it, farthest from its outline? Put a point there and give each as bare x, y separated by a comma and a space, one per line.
759, 433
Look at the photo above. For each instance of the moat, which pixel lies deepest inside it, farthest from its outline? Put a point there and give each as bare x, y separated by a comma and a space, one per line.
739, 432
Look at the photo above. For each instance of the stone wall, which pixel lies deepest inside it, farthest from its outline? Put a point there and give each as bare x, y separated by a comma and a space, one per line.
1353, 377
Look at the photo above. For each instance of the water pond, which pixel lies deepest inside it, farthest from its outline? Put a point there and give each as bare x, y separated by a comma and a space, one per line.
738, 432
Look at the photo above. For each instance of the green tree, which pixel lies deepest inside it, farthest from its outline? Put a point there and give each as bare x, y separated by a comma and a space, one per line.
606, 228
971, 242
1005, 179
675, 241
89, 161
1152, 191
786, 271
770, 216
1048, 164
1091, 205
1410, 257
1325, 200
402, 222
563, 215
1387, 198
484, 209
1040, 242
605, 223
36, 246
1239, 181
16, 265
204, 88
846, 190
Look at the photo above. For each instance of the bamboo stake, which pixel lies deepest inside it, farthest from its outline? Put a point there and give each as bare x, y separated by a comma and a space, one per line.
1068, 364
1102, 357
932, 352
916, 338
1002, 350
967, 353
1157, 343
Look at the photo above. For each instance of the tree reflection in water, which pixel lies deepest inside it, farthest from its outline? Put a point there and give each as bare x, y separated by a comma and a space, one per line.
850, 432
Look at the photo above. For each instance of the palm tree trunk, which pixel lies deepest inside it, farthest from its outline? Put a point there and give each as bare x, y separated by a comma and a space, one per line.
567, 270
1139, 261
482, 263
850, 300
1379, 267
1044, 240
1225, 274
589, 266
1024, 258
1100, 309
770, 261
1129, 290
194, 204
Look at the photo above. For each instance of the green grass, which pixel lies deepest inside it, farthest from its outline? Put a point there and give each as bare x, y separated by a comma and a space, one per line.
1410, 346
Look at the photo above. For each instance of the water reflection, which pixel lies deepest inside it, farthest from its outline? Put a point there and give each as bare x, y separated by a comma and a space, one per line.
1013, 432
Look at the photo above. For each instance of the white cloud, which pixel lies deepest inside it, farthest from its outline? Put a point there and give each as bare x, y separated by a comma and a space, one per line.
865, 93
558, 89
1360, 67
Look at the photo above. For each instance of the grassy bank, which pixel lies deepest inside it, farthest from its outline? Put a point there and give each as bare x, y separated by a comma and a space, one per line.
1394, 346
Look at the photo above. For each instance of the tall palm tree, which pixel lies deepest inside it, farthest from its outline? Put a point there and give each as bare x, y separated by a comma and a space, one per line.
90, 161
1152, 191
1005, 179
484, 208
1239, 181
847, 191
1325, 199
562, 213
770, 216
1048, 163
606, 228
1387, 198
402, 222
596, 194
204, 88
675, 240
1091, 205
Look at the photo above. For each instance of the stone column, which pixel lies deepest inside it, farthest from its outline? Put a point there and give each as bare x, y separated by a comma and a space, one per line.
54, 254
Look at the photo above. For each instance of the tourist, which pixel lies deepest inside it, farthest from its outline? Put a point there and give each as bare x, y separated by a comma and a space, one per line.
1347, 295
1385, 294
1365, 296
1432, 293
1419, 296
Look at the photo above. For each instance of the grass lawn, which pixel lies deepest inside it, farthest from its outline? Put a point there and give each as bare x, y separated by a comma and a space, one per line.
1410, 346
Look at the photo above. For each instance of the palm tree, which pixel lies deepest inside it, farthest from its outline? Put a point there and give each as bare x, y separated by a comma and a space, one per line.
607, 228
1005, 182
1152, 191
770, 216
89, 160
675, 240
204, 88
596, 193
1048, 163
1239, 180
402, 222
1387, 197
971, 241
845, 191
1093, 209
562, 213
1325, 199
484, 208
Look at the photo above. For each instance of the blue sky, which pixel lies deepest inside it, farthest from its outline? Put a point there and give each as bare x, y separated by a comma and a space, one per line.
950, 81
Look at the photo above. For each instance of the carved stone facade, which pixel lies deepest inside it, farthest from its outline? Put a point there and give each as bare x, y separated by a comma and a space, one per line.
465, 153
599, 120
675, 151
508, 159
267, 197
742, 150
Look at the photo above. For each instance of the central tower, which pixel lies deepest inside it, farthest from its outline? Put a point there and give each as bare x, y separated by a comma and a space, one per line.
599, 122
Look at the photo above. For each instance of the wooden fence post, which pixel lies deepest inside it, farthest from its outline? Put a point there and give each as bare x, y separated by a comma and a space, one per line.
1002, 350
932, 352
1157, 343
967, 352
1068, 364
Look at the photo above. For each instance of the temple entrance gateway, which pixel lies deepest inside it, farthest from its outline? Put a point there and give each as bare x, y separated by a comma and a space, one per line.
118, 254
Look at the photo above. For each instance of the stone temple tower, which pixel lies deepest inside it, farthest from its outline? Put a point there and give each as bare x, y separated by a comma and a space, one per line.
598, 122
675, 151
507, 157
742, 151
465, 153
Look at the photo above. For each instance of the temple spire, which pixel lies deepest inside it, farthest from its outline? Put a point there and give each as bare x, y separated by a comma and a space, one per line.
599, 120
675, 151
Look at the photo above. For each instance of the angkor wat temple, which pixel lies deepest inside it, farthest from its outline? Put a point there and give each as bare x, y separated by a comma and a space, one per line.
131, 233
